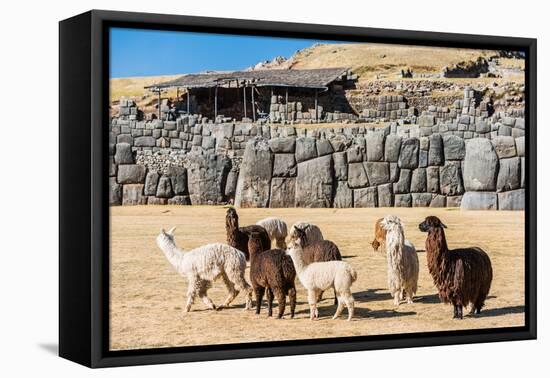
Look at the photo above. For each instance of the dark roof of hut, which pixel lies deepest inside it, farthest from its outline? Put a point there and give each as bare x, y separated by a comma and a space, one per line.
312, 78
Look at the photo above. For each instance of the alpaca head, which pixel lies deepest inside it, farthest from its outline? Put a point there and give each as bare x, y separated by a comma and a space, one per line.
255, 244
231, 218
391, 223
166, 237
431, 223
298, 234
294, 246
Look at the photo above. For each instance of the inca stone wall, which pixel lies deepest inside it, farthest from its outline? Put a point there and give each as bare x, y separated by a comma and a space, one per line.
447, 157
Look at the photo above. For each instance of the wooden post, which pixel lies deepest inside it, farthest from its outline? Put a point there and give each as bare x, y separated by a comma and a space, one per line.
188, 96
215, 103
253, 107
286, 104
244, 99
159, 105
316, 111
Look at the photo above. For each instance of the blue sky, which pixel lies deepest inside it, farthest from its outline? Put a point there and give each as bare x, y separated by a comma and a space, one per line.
136, 52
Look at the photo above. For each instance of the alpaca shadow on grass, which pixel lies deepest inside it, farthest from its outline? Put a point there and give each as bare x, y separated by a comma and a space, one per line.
434, 298
381, 314
370, 295
499, 311
348, 257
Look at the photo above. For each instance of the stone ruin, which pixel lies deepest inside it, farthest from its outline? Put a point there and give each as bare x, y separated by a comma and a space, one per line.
461, 157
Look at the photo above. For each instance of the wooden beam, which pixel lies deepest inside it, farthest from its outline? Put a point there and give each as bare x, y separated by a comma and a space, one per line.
215, 103
316, 108
253, 105
244, 99
159, 105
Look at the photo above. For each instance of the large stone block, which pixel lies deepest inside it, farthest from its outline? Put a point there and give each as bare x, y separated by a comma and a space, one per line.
520, 146
377, 172
284, 165
355, 153
454, 201
385, 195
357, 176
404, 184
432, 179
324, 147
145, 141
402, 200
340, 166
164, 188
394, 172
115, 192
255, 175
305, 149
123, 154
366, 197
512, 200
314, 183
132, 194
450, 178
178, 178
151, 182
480, 165
509, 174
505, 146
206, 178
179, 200
453, 147
421, 199
283, 145
392, 147
479, 201
375, 146
283, 192
438, 200
231, 184
418, 181
522, 175
435, 152
408, 155
131, 174
343, 197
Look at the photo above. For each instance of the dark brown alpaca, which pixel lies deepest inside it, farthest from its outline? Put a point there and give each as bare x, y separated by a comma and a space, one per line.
463, 275
271, 272
379, 235
318, 251
237, 237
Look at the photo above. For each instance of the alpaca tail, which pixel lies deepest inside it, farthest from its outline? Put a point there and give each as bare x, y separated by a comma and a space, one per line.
353, 274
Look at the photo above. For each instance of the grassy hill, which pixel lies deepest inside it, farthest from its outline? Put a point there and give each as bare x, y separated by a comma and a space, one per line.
369, 61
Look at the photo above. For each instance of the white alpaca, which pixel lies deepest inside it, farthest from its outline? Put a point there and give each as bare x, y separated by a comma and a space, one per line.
277, 230
313, 233
320, 276
201, 266
402, 261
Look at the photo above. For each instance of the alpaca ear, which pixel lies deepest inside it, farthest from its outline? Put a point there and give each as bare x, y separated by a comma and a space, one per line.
162, 230
171, 231
442, 225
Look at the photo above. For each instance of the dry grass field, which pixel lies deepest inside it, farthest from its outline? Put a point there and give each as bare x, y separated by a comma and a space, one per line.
147, 295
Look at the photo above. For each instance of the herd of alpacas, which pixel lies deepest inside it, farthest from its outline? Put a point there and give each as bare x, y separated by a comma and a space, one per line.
462, 276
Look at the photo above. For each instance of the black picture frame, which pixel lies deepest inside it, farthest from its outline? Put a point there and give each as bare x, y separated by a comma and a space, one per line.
83, 196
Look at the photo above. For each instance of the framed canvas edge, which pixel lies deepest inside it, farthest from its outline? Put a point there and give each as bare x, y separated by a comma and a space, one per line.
99, 212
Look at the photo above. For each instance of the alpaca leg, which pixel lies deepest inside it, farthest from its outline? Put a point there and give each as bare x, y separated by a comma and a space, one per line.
350, 304
259, 291
396, 297
340, 307
312, 299
240, 284
336, 301
460, 312
281, 301
204, 286
409, 297
190, 298
231, 289
269, 297
292, 296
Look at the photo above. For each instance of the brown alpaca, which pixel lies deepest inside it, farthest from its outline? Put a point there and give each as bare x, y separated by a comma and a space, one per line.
237, 237
379, 235
271, 272
463, 275
317, 251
